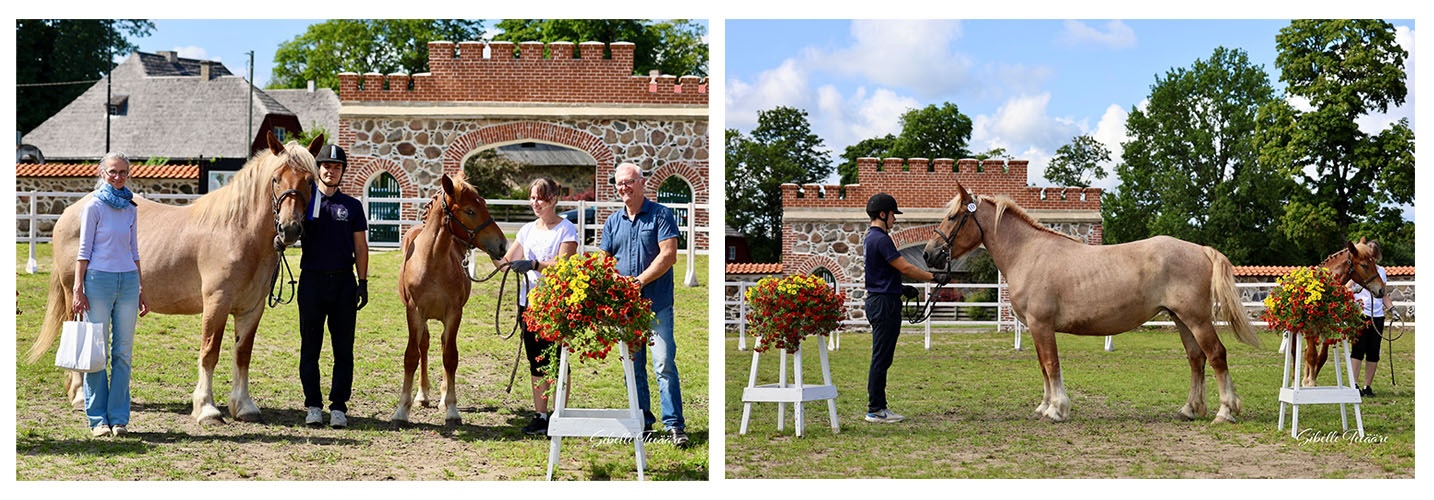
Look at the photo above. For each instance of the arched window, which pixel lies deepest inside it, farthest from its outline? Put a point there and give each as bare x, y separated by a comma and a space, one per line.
823, 273
676, 190
383, 186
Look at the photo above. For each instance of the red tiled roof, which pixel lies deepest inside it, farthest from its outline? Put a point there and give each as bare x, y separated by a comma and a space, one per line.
1277, 271
754, 268
89, 170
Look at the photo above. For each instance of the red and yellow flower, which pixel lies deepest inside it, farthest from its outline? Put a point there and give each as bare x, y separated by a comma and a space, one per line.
783, 311
1307, 301
584, 305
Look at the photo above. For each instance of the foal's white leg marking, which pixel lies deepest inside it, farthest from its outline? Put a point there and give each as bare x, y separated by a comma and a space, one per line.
1229, 402
204, 409
1060, 404
241, 405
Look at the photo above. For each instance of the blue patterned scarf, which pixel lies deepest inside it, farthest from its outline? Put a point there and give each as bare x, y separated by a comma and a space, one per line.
116, 198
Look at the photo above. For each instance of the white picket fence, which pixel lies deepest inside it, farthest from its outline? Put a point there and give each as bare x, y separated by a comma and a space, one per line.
689, 230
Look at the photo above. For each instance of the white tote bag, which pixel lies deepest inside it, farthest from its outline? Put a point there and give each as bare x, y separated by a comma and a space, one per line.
82, 346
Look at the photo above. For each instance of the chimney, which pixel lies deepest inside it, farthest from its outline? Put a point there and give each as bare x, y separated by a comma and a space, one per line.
206, 70
170, 56
311, 86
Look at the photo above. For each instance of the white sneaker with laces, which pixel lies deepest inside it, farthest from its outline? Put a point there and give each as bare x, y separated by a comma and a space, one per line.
315, 417
337, 419
884, 416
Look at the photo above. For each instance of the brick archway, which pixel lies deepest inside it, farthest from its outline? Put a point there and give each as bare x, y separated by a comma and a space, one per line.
812, 262
695, 177
512, 132
364, 168
913, 235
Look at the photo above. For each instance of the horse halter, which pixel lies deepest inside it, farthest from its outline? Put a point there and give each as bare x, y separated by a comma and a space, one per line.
950, 239
449, 218
1349, 270
277, 200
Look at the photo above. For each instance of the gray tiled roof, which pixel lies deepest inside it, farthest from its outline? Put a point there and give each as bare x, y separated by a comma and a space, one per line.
319, 106
546, 155
171, 112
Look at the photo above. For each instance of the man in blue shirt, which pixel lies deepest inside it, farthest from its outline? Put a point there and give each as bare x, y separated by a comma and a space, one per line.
884, 268
335, 245
642, 237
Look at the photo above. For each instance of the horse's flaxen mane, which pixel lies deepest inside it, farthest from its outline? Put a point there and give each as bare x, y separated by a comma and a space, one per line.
248, 190
1005, 204
1332, 257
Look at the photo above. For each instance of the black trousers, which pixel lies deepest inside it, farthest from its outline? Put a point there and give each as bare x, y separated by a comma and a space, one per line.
330, 298
883, 312
1366, 345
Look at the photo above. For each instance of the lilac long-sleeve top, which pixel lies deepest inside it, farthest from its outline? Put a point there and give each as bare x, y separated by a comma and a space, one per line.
109, 237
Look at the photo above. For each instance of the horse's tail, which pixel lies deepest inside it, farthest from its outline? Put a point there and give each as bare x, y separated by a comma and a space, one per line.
1222, 289
57, 309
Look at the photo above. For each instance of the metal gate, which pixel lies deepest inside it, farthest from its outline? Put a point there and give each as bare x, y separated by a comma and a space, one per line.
676, 190
385, 186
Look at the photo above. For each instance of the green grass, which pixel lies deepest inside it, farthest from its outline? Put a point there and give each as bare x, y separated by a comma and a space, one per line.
52, 442
969, 401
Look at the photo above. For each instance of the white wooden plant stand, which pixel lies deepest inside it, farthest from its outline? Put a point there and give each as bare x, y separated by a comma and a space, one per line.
797, 393
596, 423
1292, 394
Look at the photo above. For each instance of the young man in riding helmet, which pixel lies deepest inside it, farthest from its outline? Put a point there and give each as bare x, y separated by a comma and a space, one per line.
335, 246
884, 268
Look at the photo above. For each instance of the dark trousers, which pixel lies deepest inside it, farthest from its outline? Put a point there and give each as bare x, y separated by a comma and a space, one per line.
1366, 345
330, 298
883, 312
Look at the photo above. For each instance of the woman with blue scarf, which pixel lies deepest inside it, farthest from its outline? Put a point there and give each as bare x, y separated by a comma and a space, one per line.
107, 286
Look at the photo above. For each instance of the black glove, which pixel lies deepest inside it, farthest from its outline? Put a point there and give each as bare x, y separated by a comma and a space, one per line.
521, 266
362, 293
942, 277
908, 291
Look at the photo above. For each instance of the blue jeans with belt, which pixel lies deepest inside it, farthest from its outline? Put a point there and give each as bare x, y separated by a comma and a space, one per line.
664, 364
114, 301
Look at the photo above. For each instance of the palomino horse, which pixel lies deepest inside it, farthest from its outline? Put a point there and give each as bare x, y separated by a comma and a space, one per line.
434, 284
1059, 284
216, 257
1356, 261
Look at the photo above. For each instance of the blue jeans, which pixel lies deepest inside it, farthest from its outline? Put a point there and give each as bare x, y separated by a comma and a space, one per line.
114, 301
664, 364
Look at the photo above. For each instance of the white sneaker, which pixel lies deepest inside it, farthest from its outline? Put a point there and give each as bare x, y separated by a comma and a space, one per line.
315, 417
337, 419
884, 416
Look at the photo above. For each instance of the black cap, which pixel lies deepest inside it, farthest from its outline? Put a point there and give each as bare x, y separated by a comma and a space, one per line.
332, 153
880, 202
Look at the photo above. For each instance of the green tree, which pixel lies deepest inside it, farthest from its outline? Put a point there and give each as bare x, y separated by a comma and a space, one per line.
993, 153
876, 147
1078, 163
781, 149
1348, 179
362, 46
492, 175
1191, 169
933, 132
56, 60
673, 47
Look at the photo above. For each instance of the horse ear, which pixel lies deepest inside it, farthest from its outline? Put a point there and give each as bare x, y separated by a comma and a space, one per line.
448, 187
272, 141
316, 145
961, 191
1353, 250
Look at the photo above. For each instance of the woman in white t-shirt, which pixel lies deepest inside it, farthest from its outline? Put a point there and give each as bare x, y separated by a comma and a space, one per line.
539, 244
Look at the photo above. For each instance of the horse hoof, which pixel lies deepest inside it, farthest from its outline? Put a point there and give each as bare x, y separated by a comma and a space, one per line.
397, 424
251, 417
453, 422
1223, 420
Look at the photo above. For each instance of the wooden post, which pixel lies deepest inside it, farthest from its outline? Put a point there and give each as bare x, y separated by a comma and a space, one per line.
604, 423
796, 393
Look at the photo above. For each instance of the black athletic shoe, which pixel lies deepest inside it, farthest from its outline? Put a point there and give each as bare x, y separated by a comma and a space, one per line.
1367, 392
537, 427
679, 438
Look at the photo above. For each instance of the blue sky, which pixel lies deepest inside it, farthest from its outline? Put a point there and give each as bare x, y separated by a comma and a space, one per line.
1028, 85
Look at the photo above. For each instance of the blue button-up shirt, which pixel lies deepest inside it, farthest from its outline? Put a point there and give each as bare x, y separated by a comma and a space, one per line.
633, 242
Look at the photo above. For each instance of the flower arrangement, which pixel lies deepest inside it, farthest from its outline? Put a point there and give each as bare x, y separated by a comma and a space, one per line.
1307, 301
786, 310
586, 307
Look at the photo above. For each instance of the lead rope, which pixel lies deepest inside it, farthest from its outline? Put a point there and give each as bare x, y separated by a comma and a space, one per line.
276, 289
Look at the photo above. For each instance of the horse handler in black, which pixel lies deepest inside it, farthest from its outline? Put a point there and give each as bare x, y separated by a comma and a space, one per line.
884, 268
335, 247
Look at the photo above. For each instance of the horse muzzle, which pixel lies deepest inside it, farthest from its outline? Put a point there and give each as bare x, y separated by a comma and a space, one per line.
937, 259
288, 234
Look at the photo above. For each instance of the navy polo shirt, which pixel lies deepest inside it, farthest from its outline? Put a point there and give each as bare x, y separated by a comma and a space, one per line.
329, 235
633, 242
881, 276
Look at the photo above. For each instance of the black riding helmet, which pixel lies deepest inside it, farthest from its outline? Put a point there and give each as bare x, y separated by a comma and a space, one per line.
880, 202
333, 154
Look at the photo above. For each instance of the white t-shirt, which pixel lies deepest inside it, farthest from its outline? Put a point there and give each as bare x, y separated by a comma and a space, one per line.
542, 244
1365, 297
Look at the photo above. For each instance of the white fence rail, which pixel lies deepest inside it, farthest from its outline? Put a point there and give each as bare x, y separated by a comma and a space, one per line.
950, 314
690, 230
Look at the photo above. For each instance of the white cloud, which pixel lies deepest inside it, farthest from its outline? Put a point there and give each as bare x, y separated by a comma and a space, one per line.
1115, 35
910, 54
842, 120
192, 52
1023, 121
1375, 122
785, 85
